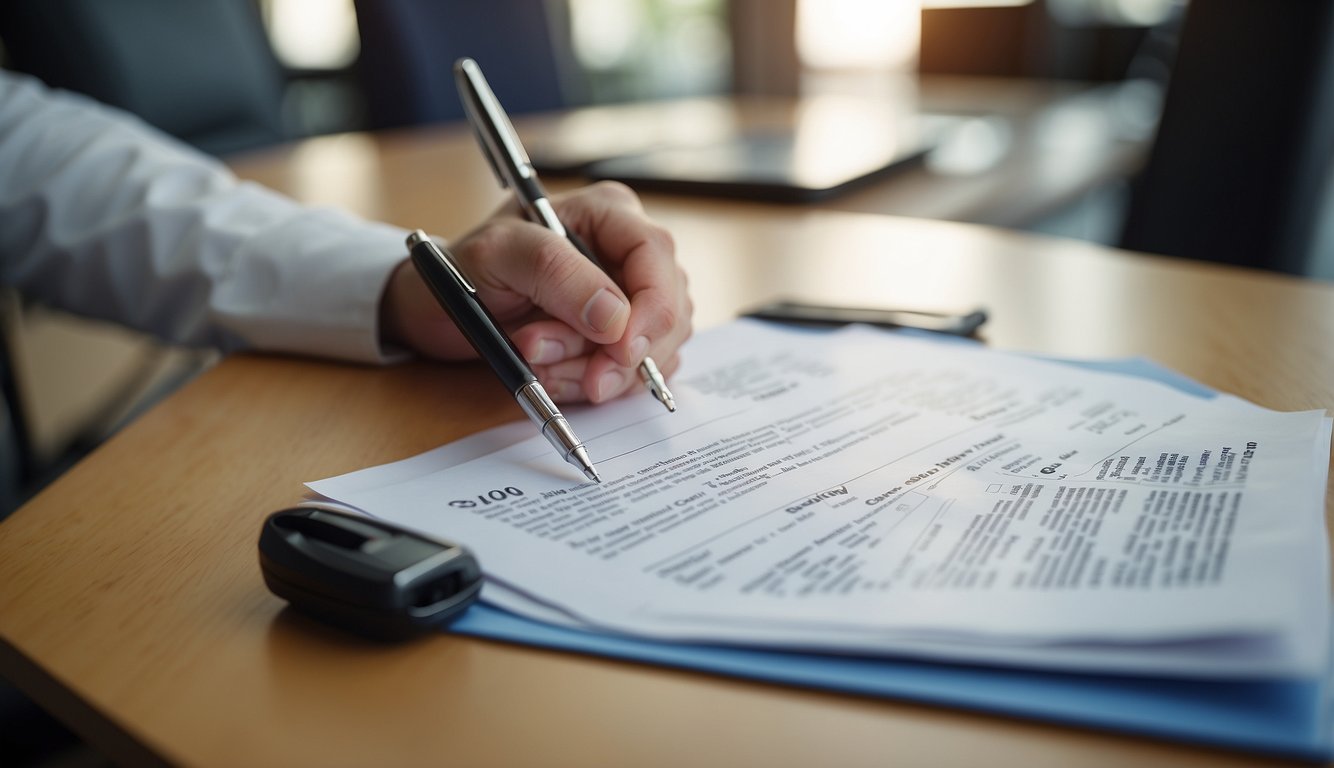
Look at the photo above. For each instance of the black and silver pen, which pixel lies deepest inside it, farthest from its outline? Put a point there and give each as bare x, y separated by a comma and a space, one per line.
459, 298
510, 161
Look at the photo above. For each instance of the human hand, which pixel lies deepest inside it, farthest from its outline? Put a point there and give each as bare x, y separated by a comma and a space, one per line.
583, 335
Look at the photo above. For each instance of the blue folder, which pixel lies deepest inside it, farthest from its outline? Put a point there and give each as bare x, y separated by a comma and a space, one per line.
1287, 718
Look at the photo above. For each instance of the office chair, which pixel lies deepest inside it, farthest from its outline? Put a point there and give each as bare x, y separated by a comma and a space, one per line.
408, 49
1241, 165
201, 70
1025, 40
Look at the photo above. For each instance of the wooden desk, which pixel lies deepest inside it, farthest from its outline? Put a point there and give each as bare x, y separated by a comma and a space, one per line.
131, 603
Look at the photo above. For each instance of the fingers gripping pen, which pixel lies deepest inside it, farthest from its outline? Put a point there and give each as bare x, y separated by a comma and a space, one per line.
459, 298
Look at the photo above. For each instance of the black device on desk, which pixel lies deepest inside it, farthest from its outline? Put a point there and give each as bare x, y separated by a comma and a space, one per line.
798, 313
366, 575
830, 145
761, 167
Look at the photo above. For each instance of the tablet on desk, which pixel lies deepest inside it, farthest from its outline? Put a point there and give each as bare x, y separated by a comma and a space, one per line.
787, 150
784, 167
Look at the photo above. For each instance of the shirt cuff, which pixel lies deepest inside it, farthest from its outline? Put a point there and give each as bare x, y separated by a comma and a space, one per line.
313, 286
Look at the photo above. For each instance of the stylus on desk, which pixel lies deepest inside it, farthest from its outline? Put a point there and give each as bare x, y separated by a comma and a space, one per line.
510, 161
459, 298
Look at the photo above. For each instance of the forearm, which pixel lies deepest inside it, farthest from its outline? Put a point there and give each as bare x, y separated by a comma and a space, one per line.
101, 215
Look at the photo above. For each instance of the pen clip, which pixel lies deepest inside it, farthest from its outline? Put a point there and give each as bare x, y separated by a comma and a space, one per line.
443, 255
420, 238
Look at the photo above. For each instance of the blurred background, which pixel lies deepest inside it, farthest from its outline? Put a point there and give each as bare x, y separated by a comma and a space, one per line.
1199, 130
1254, 85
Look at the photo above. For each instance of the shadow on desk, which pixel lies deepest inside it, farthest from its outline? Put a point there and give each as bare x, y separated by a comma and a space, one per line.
30, 738
70, 383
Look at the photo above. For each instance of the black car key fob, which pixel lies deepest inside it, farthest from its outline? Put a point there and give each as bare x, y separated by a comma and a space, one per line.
366, 575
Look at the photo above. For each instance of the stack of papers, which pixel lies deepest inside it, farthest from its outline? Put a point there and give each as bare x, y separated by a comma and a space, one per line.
866, 493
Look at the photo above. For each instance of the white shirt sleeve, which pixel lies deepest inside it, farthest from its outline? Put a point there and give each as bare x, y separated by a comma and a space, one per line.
102, 215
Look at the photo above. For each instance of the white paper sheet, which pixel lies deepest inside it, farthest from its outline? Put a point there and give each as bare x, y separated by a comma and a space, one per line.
864, 492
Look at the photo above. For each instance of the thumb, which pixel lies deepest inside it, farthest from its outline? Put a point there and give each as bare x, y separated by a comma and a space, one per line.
546, 270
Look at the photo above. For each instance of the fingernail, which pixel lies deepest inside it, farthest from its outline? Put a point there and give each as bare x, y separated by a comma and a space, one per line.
638, 349
602, 310
610, 384
548, 351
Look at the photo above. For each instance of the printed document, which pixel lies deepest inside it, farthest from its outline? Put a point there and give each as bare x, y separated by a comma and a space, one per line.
866, 492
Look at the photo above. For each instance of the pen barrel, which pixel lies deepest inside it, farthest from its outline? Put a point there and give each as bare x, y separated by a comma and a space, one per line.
535, 402
473, 319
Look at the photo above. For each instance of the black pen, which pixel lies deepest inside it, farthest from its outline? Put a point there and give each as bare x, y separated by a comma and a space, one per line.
459, 298
510, 161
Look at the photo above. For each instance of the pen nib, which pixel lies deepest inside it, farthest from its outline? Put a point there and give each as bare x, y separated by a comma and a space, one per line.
579, 458
648, 371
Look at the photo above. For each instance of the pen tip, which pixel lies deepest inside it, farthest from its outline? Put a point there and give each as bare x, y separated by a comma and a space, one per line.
592, 474
657, 386
665, 397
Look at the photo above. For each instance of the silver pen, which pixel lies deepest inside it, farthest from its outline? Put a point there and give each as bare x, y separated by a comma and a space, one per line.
459, 298
510, 161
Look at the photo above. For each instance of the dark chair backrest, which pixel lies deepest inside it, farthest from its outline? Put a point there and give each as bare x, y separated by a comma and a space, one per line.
201, 70
408, 49
1241, 165
1026, 40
